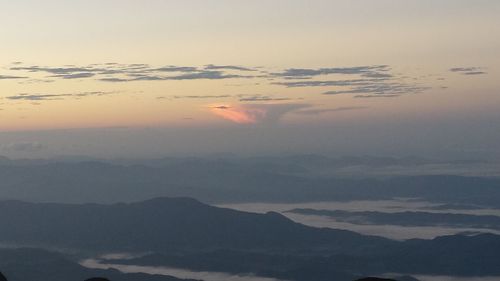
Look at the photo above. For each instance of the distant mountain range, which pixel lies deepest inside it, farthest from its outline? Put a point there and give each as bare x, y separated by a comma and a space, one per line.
291, 179
184, 233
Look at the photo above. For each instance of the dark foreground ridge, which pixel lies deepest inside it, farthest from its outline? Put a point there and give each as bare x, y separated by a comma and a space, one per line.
375, 279
187, 234
2, 278
28, 264
148, 226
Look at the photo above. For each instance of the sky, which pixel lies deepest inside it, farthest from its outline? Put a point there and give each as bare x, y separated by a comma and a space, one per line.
157, 77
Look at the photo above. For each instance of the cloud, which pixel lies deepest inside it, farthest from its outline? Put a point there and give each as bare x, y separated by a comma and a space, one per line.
239, 114
45, 97
474, 73
36, 97
24, 146
94, 93
114, 80
74, 75
198, 75
255, 113
378, 71
375, 87
363, 81
33, 81
8, 77
475, 70
59, 70
202, 97
228, 67
328, 110
377, 96
367, 81
206, 75
221, 107
114, 72
315, 83
173, 68
381, 90
253, 98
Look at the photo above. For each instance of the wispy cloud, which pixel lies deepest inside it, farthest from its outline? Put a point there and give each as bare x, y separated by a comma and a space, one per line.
378, 71
359, 81
221, 107
74, 75
475, 70
201, 97
35, 81
377, 96
229, 67
380, 90
114, 72
36, 97
369, 81
253, 98
8, 77
173, 68
327, 83
328, 110
46, 97
199, 75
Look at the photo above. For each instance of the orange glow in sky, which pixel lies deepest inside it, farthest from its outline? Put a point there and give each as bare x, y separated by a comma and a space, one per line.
239, 114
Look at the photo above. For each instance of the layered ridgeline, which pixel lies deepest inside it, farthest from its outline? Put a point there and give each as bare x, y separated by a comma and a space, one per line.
296, 179
165, 225
184, 233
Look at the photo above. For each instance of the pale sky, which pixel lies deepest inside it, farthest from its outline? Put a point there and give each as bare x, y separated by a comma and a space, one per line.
424, 72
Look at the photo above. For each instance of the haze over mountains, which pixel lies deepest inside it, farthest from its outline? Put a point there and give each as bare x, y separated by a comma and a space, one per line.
223, 180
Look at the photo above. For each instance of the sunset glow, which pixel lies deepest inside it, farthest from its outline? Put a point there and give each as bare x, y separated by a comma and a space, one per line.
276, 64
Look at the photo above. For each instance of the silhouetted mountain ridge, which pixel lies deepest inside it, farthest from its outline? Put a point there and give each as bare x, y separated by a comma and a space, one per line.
186, 233
165, 224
